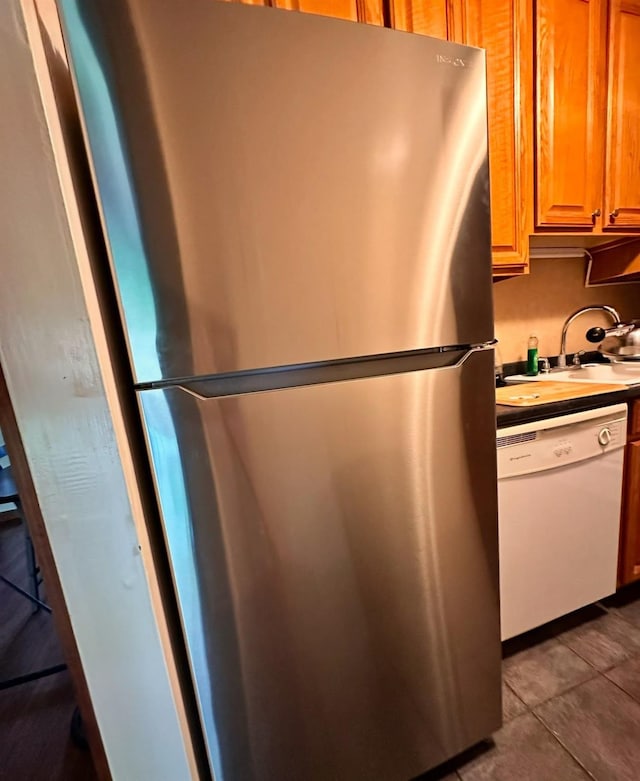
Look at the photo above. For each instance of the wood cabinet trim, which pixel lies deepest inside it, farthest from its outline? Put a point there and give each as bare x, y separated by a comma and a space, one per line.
629, 568
629, 557
620, 171
369, 11
471, 23
634, 419
425, 18
524, 117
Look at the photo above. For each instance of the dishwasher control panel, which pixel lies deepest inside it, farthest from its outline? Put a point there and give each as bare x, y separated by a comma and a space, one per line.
548, 444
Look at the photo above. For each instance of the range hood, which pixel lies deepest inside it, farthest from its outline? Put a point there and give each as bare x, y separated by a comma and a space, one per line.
618, 262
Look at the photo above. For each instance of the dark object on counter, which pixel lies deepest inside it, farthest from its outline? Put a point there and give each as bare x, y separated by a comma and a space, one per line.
620, 343
595, 335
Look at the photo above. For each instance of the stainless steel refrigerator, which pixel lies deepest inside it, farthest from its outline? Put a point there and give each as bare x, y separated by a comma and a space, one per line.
296, 214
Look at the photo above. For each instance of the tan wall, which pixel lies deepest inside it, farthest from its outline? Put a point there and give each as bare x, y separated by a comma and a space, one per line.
539, 303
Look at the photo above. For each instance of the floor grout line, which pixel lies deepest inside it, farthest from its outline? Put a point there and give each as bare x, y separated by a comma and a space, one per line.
617, 685
586, 661
561, 744
580, 656
513, 691
563, 692
592, 671
532, 708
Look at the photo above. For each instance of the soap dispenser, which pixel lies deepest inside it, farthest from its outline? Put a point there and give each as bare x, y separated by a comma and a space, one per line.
532, 356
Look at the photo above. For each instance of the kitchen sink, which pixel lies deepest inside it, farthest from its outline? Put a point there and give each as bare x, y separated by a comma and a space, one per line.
616, 373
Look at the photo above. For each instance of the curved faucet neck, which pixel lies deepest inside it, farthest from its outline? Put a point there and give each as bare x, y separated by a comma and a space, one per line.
613, 314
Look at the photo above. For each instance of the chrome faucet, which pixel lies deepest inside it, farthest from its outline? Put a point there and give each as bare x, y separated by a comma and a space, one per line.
613, 314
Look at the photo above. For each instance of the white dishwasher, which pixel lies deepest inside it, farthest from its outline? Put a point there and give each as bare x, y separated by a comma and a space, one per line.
559, 492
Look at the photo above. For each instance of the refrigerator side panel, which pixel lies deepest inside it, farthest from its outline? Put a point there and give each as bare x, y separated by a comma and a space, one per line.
280, 188
334, 549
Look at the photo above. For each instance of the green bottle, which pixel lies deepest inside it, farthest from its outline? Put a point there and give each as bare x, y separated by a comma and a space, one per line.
532, 356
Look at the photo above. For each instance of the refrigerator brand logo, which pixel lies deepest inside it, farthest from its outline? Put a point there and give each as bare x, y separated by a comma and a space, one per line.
445, 59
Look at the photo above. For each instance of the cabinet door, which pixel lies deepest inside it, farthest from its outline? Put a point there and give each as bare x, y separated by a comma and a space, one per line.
428, 17
355, 10
505, 31
570, 105
630, 524
622, 176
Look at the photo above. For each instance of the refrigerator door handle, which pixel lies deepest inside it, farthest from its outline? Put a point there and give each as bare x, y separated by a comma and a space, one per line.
278, 378
476, 348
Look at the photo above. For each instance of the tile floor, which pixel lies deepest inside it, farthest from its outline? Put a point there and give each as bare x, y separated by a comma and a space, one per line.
571, 702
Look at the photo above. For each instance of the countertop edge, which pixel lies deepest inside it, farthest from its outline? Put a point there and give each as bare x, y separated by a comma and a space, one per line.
510, 416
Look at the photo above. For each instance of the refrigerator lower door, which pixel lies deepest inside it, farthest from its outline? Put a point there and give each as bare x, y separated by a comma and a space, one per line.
334, 550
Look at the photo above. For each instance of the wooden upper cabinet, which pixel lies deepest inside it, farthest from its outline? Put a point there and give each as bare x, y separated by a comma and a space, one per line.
570, 108
356, 10
428, 17
505, 30
622, 174
369, 11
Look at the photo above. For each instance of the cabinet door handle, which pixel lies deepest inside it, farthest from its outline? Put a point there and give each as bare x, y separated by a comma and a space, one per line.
595, 214
614, 214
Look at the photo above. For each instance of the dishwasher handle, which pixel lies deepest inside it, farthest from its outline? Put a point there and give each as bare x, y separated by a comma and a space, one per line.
604, 436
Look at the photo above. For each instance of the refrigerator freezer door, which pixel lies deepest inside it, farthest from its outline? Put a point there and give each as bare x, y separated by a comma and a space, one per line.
280, 187
334, 551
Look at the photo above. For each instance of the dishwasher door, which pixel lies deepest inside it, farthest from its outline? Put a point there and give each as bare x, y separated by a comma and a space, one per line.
559, 495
